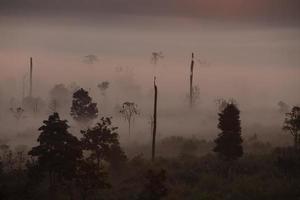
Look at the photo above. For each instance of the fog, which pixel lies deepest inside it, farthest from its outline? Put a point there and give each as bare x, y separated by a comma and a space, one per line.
255, 64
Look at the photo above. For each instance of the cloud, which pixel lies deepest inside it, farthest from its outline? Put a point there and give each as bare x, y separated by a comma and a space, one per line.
273, 10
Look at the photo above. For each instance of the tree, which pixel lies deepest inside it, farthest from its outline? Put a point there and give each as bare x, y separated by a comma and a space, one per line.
292, 124
156, 56
154, 120
83, 109
17, 112
60, 97
129, 110
90, 59
228, 144
58, 151
103, 86
101, 142
191, 81
155, 188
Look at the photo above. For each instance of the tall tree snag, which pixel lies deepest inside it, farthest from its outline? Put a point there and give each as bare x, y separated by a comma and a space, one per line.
154, 120
191, 81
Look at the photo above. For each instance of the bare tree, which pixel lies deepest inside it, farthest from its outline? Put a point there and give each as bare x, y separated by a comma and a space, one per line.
156, 56
129, 110
191, 81
103, 86
18, 112
90, 59
154, 120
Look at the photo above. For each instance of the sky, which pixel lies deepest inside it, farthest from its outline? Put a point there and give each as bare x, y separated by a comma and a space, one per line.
258, 10
246, 50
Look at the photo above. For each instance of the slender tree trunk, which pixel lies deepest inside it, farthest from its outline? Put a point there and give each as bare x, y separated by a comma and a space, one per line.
30, 78
154, 120
129, 126
191, 81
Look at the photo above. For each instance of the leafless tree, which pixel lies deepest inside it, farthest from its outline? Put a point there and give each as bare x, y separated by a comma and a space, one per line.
103, 86
129, 110
18, 112
90, 59
154, 120
156, 56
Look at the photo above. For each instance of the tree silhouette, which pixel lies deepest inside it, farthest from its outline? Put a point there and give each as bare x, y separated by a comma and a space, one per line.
156, 56
90, 59
103, 86
101, 142
154, 121
60, 97
292, 124
17, 112
228, 144
58, 151
129, 110
83, 109
191, 81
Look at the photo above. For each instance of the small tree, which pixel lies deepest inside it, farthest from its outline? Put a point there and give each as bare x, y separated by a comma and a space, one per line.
292, 124
154, 121
103, 86
83, 109
90, 59
18, 112
102, 143
229, 141
156, 56
129, 110
58, 151
60, 97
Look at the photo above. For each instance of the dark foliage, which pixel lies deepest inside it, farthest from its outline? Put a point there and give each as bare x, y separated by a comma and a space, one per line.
292, 124
83, 109
155, 186
58, 151
102, 144
60, 97
90, 178
228, 144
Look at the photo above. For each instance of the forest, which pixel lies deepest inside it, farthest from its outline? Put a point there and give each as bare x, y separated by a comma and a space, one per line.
149, 100
83, 158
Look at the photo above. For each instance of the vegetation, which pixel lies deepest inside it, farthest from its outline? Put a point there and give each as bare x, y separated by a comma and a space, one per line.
129, 110
90, 164
228, 143
83, 109
292, 124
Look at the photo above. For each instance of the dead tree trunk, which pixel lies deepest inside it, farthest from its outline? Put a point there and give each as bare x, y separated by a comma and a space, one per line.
154, 120
30, 78
191, 81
